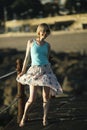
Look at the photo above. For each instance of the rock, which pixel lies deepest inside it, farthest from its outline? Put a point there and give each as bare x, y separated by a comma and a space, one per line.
70, 69
76, 78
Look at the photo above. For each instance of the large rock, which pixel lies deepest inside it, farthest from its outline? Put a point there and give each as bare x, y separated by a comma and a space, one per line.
70, 69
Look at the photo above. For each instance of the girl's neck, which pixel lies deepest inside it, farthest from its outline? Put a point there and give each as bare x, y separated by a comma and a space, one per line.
40, 41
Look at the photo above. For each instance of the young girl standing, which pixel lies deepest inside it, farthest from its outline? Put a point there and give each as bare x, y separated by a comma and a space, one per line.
40, 73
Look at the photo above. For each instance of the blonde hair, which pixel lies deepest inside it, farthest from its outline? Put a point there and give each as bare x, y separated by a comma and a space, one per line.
43, 27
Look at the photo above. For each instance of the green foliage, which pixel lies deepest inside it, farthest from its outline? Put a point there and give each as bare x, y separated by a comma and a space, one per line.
18, 7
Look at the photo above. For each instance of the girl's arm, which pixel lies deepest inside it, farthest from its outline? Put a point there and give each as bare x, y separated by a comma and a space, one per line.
49, 48
27, 57
49, 53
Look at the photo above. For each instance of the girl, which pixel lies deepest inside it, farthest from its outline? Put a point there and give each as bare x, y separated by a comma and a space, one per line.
40, 73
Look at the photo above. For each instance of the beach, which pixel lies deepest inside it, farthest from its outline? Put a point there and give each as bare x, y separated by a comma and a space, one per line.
63, 41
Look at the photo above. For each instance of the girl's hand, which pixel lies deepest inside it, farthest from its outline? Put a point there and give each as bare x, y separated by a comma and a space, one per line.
20, 74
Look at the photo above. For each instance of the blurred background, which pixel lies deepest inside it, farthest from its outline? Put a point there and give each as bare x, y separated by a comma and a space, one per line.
68, 22
23, 16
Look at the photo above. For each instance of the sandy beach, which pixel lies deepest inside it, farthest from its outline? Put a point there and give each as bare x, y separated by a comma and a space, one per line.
68, 41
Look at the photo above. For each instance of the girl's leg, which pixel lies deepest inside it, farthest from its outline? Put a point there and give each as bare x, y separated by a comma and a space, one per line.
32, 97
46, 100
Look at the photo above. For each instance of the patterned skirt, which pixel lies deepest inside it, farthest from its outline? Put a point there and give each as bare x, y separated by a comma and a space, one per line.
41, 76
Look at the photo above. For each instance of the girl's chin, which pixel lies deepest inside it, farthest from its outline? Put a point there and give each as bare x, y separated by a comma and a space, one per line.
44, 37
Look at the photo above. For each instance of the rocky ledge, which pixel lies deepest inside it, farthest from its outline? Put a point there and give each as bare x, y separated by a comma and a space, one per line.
70, 69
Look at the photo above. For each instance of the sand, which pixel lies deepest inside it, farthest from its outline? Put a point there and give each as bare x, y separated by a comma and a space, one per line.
68, 41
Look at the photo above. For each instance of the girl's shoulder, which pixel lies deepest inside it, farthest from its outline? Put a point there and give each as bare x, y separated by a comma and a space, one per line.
48, 44
30, 42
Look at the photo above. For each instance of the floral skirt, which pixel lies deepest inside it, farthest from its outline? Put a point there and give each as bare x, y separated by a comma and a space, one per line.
41, 76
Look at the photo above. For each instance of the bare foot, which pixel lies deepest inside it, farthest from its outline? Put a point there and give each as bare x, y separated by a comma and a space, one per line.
21, 123
45, 122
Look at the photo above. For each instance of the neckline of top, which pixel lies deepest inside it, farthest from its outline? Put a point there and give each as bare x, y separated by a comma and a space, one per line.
39, 44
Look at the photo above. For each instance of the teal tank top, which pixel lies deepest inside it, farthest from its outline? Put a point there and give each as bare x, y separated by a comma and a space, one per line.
39, 54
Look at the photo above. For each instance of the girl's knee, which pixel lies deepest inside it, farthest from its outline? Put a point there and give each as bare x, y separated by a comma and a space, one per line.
46, 99
31, 101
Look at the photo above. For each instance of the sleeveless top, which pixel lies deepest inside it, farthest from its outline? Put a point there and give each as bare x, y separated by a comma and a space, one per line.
39, 54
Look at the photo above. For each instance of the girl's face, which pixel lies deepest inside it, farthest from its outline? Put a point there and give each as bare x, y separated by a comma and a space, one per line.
43, 34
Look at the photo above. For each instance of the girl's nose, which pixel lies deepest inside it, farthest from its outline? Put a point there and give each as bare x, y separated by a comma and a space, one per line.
43, 34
